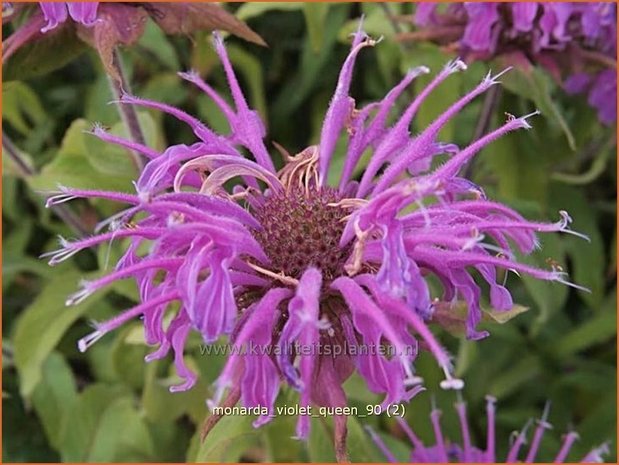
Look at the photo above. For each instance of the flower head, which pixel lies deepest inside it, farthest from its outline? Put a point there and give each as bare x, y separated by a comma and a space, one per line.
466, 452
321, 277
575, 38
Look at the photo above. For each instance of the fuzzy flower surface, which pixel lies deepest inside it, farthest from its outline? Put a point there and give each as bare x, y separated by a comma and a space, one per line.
444, 451
317, 274
575, 39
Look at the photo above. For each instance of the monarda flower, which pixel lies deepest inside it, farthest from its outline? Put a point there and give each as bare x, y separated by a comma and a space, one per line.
576, 39
281, 260
445, 451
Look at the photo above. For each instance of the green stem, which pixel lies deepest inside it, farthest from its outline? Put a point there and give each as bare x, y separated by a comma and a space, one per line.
127, 112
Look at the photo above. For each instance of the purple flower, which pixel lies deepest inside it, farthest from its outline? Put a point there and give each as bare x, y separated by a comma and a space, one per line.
57, 12
466, 452
571, 37
601, 90
321, 277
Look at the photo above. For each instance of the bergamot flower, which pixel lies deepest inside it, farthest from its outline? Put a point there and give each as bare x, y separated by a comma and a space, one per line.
313, 274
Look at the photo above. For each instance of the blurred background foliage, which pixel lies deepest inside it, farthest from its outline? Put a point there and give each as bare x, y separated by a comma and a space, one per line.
108, 405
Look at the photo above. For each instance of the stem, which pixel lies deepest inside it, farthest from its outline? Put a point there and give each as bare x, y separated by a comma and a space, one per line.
489, 106
26, 170
392, 19
127, 112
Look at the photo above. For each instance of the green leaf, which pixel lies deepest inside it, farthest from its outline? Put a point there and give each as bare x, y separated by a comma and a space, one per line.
503, 316
42, 325
46, 53
320, 443
315, 14
111, 160
536, 85
161, 406
601, 327
15, 259
74, 166
227, 441
20, 106
452, 317
359, 445
128, 360
549, 296
54, 397
156, 42
105, 426
526, 369
587, 258
251, 10
375, 22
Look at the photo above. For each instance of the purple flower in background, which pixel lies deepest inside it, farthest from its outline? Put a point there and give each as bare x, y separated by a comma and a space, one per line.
466, 452
57, 12
575, 39
320, 277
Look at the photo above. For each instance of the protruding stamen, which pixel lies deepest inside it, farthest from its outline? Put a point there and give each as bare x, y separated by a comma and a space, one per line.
80, 295
455, 66
450, 382
84, 343
490, 80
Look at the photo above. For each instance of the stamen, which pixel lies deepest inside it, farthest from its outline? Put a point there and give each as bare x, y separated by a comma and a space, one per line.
84, 343
564, 223
279, 276
80, 295
490, 80
60, 255
455, 66
450, 382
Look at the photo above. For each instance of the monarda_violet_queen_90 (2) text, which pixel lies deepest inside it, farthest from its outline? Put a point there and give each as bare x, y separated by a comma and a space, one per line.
283, 259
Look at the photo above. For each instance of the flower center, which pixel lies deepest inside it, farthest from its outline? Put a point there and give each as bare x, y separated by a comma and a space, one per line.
301, 229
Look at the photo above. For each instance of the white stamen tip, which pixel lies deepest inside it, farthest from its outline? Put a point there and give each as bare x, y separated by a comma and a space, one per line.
452, 383
84, 343
191, 75
413, 381
80, 295
455, 66
418, 70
